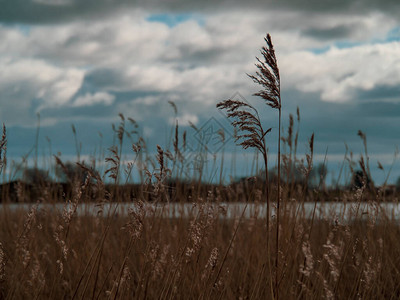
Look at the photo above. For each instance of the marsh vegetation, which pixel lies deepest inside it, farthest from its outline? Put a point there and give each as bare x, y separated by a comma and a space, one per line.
286, 252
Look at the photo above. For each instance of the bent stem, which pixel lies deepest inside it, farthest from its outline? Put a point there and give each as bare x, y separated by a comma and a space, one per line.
278, 208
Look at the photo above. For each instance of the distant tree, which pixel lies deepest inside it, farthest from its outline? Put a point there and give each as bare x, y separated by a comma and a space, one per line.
35, 176
70, 172
318, 175
360, 179
398, 184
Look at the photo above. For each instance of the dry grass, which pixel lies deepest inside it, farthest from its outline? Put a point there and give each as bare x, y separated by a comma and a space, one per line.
48, 255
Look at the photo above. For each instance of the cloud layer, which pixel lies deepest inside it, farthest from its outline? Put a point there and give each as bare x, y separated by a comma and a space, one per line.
87, 61
55, 11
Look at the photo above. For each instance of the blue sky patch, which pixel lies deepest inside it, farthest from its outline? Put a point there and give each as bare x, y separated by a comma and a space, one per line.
171, 20
393, 35
338, 45
23, 28
321, 50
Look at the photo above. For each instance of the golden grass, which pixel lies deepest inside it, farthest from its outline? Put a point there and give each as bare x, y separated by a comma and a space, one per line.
48, 255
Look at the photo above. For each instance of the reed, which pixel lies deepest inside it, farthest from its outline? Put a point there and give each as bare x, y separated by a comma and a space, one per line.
48, 254
253, 134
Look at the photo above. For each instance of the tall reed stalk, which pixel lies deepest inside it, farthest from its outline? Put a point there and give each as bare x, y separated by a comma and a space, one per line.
268, 77
247, 121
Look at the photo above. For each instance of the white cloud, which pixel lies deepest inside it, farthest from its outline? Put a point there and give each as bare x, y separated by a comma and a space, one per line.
152, 78
339, 73
148, 131
184, 120
195, 65
25, 80
92, 99
189, 37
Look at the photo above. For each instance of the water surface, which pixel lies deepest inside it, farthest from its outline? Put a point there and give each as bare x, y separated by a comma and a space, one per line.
335, 211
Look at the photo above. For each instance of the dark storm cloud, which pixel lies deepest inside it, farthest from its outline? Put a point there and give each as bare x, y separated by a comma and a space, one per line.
52, 11
379, 92
336, 32
381, 109
335, 124
103, 78
26, 11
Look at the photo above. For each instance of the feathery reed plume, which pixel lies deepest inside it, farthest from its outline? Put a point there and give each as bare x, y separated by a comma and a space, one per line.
288, 161
115, 160
178, 156
121, 128
172, 103
290, 131
306, 169
120, 132
63, 167
77, 144
268, 76
163, 172
176, 139
3, 149
184, 140
37, 140
2, 265
297, 132
365, 164
310, 156
139, 147
251, 133
160, 159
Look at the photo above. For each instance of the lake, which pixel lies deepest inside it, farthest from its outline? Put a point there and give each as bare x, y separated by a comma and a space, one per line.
339, 211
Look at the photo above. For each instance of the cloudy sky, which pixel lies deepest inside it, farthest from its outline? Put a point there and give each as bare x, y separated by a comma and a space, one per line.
84, 62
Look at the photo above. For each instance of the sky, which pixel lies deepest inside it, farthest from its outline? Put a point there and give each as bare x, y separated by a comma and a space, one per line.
84, 62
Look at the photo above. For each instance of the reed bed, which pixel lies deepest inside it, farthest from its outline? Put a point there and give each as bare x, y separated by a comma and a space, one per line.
143, 255
284, 253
